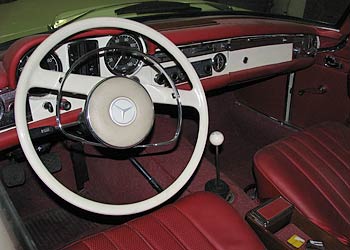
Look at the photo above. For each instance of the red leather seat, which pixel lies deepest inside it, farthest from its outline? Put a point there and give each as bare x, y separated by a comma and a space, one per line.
199, 221
312, 170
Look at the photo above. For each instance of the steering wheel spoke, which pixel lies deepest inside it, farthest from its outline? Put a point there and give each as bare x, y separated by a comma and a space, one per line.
164, 95
42, 78
75, 84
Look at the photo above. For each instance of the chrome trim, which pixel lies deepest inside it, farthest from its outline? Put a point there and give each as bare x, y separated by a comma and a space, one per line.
229, 47
289, 97
342, 43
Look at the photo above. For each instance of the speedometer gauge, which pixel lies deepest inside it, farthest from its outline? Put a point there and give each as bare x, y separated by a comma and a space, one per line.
49, 62
120, 61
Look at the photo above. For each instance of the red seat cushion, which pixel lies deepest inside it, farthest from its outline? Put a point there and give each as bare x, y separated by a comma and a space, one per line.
199, 221
312, 170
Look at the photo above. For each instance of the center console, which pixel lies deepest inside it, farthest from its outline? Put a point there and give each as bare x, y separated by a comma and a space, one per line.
281, 227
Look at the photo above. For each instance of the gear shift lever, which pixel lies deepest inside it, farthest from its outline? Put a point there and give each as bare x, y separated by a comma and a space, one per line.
217, 186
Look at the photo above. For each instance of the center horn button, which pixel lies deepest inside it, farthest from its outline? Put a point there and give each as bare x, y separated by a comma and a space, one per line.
119, 112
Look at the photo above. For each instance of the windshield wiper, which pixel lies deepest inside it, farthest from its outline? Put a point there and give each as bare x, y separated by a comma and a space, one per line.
157, 7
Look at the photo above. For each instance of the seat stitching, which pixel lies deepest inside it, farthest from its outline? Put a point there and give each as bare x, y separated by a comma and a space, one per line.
168, 231
317, 222
194, 225
330, 150
330, 166
329, 135
315, 184
110, 240
140, 235
316, 170
84, 242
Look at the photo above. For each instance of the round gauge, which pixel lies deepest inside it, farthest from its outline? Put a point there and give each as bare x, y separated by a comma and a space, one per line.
49, 62
122, 62
219, 62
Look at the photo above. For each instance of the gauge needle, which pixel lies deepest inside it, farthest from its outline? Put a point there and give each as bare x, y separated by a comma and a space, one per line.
115, 65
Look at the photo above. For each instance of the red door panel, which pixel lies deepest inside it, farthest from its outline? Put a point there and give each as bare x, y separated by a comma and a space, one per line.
268, 96
311, 108
321, 92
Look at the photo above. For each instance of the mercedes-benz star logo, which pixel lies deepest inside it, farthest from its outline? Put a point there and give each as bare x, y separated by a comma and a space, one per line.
123, 111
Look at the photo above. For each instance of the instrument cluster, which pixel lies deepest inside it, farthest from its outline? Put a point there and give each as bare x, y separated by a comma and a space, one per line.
121, 55
116, 59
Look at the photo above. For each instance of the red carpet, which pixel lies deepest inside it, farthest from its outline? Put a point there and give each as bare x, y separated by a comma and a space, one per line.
113, 180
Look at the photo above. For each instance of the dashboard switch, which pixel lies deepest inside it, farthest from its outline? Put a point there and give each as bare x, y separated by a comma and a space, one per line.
160, 79
208, 69
66, 105
48, 106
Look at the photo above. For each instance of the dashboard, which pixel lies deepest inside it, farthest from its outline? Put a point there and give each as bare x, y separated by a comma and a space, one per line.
223, 52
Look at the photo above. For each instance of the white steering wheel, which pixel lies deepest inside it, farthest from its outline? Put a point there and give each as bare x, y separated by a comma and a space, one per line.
33, 76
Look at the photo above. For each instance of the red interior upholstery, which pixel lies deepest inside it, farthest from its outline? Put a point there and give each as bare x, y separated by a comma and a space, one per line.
312, 170
199, 221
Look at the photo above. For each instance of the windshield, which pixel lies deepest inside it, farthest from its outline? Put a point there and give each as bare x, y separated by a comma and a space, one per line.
20, 18
324, 12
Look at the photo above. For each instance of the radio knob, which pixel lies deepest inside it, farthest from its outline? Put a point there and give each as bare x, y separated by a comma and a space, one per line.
160, 79
208, 69
175, 76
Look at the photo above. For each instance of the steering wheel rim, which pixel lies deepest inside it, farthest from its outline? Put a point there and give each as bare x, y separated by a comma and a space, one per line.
33, 158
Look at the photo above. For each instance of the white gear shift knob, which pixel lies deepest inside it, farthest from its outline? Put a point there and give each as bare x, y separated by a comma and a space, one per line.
216, 138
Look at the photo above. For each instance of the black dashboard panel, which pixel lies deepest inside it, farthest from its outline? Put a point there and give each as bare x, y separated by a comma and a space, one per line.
7, 115
194, 50
203, 69
91, 65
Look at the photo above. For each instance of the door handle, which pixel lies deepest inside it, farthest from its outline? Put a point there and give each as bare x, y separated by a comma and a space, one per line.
332, 62
315, 91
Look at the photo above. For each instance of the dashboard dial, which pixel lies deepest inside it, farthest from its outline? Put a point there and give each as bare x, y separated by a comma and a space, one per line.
49, 62
219, 62
121, 62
